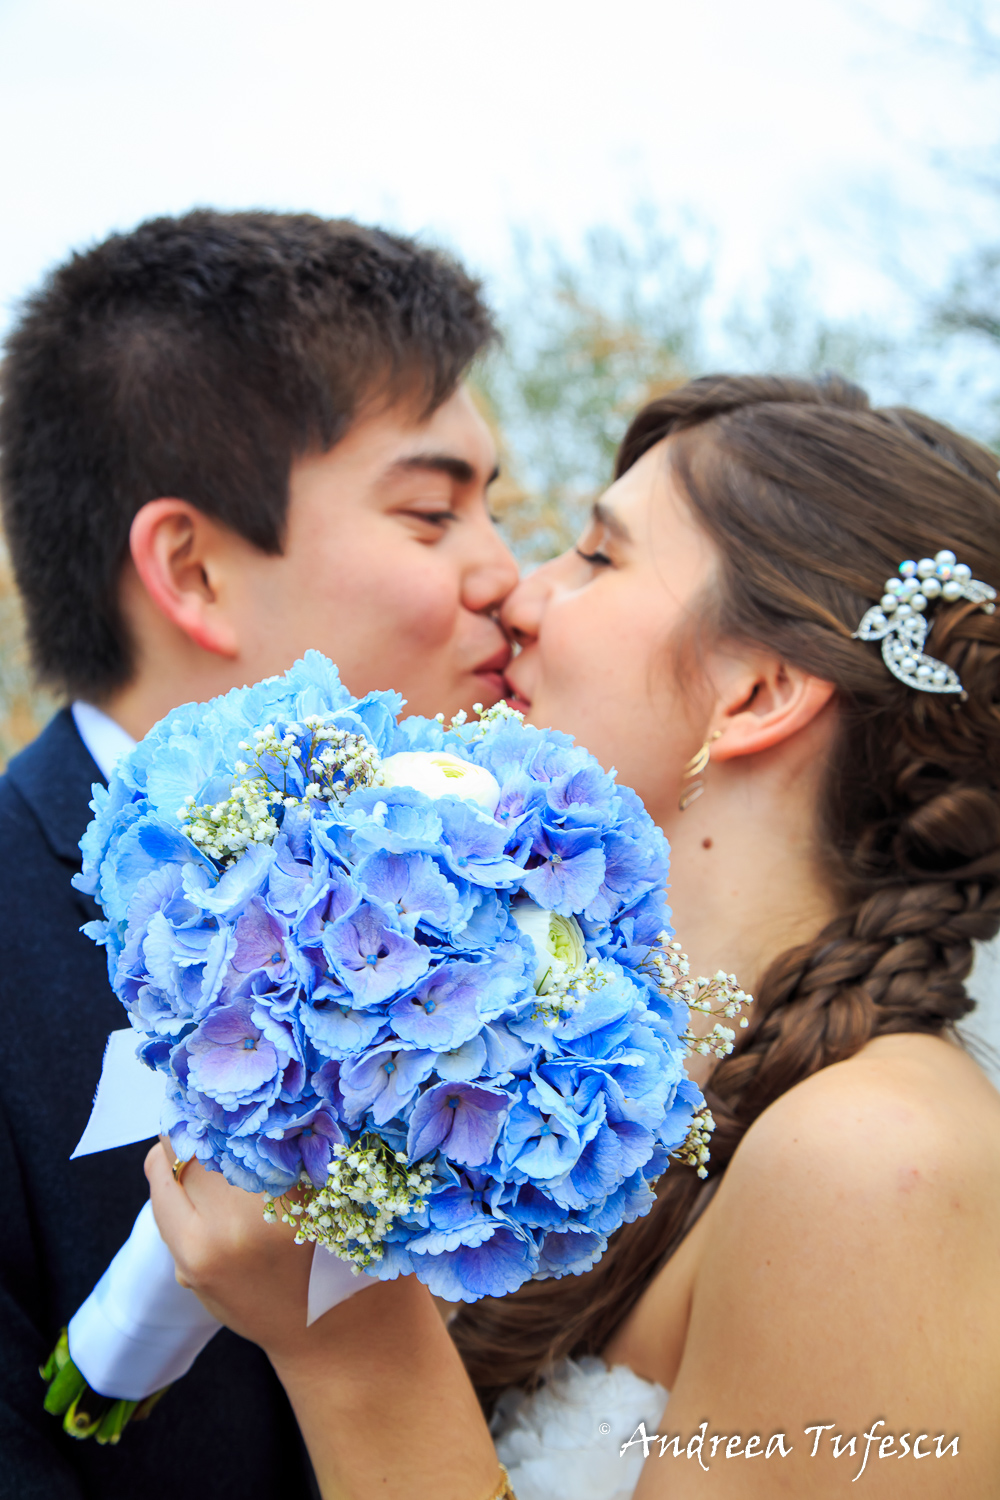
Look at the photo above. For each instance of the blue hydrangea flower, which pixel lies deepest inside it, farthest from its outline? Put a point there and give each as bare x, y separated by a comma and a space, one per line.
350, 971
461, 1120
371, 957
301, 1139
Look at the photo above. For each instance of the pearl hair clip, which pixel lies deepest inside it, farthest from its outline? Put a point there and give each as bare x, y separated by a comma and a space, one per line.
898, 619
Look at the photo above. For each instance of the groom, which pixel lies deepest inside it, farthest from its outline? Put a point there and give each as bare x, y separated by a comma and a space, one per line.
225, 439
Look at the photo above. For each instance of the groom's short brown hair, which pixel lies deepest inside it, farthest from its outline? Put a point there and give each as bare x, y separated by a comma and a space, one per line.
198, 357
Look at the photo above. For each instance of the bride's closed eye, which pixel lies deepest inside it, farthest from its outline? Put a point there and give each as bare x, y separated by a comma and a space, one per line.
598, 553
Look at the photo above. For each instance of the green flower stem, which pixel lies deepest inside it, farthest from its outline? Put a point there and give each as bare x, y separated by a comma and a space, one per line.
87, 1413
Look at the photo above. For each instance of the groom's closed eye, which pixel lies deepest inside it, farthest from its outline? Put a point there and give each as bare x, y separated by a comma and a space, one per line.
436, 518
438, 481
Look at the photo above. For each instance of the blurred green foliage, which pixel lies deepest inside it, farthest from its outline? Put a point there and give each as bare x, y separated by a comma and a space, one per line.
590, 338
587, 341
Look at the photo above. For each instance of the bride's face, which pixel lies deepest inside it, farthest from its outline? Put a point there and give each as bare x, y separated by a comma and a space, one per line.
598, 628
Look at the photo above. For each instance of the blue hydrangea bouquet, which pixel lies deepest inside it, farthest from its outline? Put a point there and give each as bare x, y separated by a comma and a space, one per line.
413, 982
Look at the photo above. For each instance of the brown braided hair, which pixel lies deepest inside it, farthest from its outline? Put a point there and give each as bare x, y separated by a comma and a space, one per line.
812, 499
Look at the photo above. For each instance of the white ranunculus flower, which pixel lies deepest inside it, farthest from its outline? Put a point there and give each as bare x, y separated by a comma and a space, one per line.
559, 942
438, 774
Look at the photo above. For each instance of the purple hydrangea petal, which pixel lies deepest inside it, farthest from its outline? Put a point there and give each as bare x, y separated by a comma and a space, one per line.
260, 943
371, 957
501, 1265
463, 1120
443, 1010
568, 874
383, 1081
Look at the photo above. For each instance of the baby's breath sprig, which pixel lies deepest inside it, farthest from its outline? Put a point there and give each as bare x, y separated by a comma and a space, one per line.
369, 1186
566, 995
224, 829
334, 762
457, 720
500, 713
694, 1150
346, 761
719, 995
486, 718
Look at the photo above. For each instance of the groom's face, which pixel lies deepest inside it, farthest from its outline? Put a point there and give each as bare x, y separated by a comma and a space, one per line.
391, 564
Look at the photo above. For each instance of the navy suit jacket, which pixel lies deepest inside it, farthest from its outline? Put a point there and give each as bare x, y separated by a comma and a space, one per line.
226, 1429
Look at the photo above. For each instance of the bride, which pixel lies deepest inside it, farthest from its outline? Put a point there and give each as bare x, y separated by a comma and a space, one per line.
825, 1305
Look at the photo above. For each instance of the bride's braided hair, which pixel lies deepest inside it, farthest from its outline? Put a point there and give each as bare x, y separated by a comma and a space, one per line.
812, 499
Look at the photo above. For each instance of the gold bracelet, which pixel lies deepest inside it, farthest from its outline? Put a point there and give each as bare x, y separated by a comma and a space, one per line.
504, 1492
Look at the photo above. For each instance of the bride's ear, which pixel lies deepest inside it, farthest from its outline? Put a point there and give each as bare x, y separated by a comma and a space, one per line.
763, 702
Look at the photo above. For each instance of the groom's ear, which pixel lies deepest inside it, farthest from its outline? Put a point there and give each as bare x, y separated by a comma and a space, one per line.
764, 701
180, 556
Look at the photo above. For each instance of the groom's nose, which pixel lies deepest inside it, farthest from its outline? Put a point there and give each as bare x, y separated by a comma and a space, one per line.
491, 573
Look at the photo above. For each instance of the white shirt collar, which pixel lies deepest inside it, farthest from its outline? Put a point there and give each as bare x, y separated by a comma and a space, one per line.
105, 739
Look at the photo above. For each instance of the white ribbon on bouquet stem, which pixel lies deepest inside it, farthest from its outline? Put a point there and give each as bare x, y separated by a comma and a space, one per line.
139, 1330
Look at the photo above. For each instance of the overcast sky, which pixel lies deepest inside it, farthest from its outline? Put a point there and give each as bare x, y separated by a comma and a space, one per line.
785, 124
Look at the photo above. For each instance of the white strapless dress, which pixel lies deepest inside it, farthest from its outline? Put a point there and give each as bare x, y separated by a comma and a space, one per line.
563, 1442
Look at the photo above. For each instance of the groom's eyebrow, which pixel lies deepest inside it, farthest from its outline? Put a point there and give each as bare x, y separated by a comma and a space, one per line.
606, 517
458, 469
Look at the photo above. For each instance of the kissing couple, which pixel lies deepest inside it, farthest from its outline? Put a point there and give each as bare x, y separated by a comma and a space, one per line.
230, 438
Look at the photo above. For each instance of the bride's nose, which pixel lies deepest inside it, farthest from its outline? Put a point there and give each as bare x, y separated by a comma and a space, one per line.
522, 611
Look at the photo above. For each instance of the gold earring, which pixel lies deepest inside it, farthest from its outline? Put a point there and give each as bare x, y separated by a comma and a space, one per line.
693, 772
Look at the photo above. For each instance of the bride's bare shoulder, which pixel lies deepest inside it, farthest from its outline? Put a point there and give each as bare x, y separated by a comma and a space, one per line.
910, 1121
848, 1261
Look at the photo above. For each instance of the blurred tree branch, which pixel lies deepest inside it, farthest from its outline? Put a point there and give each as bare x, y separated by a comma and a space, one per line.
590, 337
